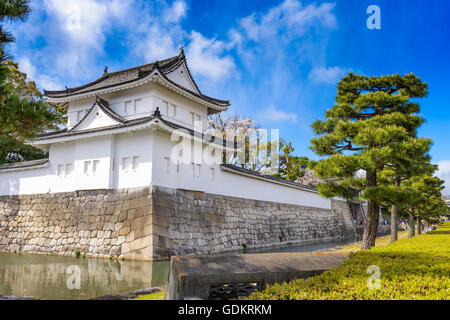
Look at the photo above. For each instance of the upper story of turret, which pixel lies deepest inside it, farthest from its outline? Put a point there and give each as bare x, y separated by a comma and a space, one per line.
135, 93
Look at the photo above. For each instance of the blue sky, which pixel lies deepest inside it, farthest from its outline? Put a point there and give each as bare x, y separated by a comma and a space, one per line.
277, 61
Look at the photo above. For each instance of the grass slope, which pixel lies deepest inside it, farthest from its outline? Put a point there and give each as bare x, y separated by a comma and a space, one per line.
151, 296
416, 268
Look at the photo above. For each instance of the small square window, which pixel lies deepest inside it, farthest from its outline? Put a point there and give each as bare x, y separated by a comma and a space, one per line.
165, 108
174, 110
80, 115
167, 164
211, 173
129, 108
68, 168
60, 170
135, 162
135, 106
95, 166
125, 163
87, 166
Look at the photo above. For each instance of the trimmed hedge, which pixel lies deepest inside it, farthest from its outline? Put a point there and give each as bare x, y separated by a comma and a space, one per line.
416, 268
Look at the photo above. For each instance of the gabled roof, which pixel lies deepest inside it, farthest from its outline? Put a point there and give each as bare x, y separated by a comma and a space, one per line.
132, 75
104, 106
128, 125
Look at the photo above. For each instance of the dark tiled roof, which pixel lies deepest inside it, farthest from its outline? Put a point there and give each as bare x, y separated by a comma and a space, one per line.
129, 75
129, 123
257, 174
114, 78
68, 133
23, 164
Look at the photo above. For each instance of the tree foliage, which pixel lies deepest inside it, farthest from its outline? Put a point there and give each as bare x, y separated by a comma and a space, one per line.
11, 10
427, 201
291, 167
23, 110
369, 128
256, 148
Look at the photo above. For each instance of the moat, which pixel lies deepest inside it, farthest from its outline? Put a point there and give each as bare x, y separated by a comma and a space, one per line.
55, 277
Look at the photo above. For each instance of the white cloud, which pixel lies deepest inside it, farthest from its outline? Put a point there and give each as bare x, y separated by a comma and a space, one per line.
329, 75
42, 81
78, 30
444, 174
26, 66
161, 36
273, 114
290, 17
176, 12
158, 44
206, 57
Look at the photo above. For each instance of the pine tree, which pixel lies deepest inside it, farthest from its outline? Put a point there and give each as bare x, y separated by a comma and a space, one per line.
371, 116
410, 159
11, 10
427, 202
23, 110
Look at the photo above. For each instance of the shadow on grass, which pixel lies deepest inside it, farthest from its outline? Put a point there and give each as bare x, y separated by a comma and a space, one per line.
438, 232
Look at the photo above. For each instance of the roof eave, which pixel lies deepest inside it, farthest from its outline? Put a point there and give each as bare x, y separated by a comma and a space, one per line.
156, 123
156, 76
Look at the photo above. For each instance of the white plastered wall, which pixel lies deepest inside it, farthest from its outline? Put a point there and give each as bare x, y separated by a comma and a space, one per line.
142, 101
211, 178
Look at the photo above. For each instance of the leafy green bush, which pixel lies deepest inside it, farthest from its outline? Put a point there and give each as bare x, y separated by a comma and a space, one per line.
416, 268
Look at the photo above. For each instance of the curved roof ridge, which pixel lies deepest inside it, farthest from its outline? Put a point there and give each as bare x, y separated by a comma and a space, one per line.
131, 75
200, 95
188, 70
111, 74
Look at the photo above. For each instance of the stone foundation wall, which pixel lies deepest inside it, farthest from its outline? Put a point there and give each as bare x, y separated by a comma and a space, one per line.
155, 223
187, 222
94, 222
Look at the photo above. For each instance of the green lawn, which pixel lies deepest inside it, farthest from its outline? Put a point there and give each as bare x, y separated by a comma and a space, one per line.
416, 268
381, 241
151, 296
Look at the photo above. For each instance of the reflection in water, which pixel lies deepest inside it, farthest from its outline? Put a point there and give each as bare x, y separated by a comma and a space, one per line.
56, 277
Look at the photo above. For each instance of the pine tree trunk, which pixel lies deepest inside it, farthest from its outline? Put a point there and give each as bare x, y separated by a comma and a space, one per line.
371, 225
373, 215
394, 216
412, 227
419, 225
394, 235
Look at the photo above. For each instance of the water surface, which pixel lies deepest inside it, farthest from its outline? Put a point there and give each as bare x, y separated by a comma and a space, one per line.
55, 277
59, 277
